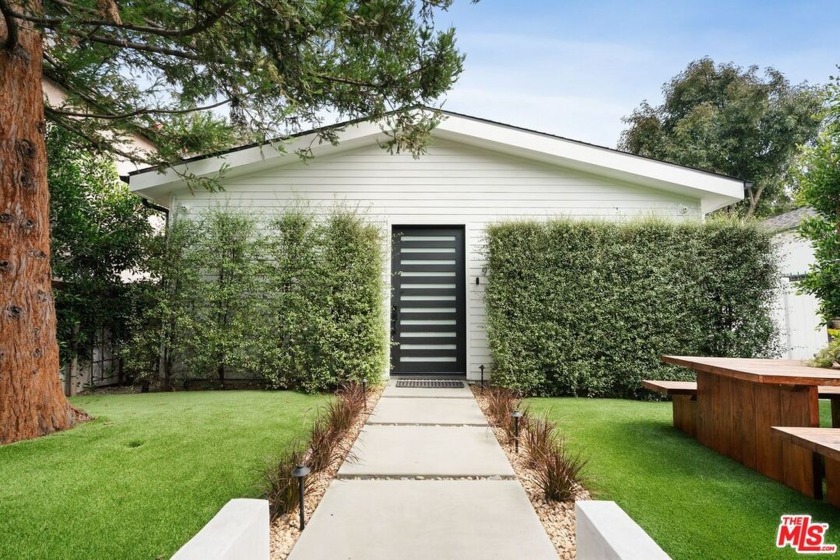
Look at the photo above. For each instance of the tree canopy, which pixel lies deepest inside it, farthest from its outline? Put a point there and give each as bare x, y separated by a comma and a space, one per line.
192, 77
820, 188
273, 66
730, 120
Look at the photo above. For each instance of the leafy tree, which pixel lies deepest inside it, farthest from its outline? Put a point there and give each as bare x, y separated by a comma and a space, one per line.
166, 301
820, 189
730, 120
223, 304
99, 231
158, 68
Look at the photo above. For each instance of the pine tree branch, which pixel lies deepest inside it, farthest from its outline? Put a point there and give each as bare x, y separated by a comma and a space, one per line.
98, 143
52, 23
208, 22
138, 112
126, 44
11, 27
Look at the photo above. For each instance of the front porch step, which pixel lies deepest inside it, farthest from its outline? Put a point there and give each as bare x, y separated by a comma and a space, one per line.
428, 411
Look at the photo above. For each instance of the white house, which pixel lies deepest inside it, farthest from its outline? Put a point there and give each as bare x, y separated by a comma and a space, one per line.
796, 314
475, 172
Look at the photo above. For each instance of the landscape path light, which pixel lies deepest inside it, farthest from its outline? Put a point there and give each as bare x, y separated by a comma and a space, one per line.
517, 414
300, 473
364, 391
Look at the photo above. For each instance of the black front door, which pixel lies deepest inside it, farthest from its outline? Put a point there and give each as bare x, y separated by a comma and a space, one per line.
428, 317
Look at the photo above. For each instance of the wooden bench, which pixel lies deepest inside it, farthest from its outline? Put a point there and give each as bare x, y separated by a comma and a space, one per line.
832, 394
684, 397
822, 441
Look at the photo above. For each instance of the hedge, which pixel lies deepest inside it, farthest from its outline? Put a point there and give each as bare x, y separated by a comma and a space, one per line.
586, 308
327, 302
297, 300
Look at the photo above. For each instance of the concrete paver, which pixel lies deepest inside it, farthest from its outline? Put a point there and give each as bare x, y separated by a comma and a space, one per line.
391, 390
388, 503
426, 451
452, 412
422, 520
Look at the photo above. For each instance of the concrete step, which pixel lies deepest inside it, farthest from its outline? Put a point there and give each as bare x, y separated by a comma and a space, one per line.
428, 411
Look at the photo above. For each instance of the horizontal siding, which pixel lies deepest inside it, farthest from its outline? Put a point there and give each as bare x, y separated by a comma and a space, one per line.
453, 185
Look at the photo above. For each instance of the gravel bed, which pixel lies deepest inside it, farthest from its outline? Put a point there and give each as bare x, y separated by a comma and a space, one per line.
558, 518
284, 530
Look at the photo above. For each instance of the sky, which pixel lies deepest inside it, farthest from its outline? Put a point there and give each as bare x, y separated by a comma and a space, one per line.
574, 68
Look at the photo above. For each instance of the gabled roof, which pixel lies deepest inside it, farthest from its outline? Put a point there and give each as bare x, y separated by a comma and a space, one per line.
714, 191
788, 220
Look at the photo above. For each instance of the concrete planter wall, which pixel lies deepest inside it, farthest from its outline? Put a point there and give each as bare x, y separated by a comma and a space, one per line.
605, 532
239, 531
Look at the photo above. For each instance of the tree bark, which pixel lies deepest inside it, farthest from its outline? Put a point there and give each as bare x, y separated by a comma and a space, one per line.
31, 399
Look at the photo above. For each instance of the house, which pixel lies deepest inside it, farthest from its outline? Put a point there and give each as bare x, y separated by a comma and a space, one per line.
475, 172
796, 314
55, 96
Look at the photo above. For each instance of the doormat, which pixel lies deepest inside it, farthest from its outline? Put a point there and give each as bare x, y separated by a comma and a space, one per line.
430, 384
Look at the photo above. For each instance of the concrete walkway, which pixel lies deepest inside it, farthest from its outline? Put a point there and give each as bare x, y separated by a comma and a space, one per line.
428, 480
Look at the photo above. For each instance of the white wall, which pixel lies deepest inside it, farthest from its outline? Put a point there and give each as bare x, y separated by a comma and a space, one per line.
451, 185
796, 314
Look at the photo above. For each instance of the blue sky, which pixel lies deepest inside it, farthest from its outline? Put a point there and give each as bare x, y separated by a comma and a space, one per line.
574, 68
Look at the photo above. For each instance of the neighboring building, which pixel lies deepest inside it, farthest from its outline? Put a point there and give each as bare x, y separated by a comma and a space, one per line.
55, 96
102, 369
475, 172
796, 314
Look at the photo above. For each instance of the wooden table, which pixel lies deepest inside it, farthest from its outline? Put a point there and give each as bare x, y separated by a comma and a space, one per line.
739, 400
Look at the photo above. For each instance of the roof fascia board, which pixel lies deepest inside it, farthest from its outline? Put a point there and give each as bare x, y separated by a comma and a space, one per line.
253, 159
715, 191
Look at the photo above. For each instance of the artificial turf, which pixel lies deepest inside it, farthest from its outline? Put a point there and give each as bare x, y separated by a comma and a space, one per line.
695, 503
145, 475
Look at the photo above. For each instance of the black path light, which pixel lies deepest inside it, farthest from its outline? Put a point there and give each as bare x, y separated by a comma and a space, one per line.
517, 414
300, 473
481, 367
364, 391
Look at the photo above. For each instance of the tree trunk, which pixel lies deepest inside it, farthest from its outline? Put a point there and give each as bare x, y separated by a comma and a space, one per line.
31, 399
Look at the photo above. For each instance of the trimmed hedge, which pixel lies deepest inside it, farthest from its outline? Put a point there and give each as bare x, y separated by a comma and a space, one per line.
326, 306
586, 308
297, 300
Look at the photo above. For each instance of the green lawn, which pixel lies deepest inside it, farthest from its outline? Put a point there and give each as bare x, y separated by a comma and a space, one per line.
144, 476
694, 502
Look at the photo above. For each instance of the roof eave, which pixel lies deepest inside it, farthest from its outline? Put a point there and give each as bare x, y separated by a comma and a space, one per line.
714, 191
157, 184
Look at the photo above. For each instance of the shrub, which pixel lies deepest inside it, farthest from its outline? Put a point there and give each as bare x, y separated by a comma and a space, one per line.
281, 488
323, 321
827, 356
501, 403
332, 426
558, 471
298, 302
585, 308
